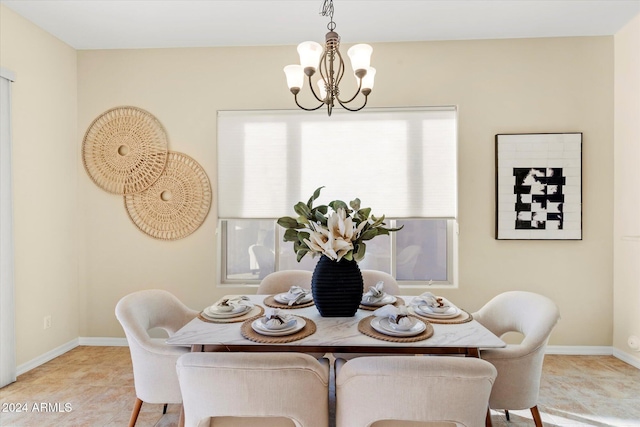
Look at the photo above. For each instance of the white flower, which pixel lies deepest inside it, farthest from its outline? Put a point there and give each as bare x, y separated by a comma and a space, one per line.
328, 242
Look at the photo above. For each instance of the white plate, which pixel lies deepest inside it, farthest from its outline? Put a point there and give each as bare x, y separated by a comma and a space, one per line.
283, 299
383, 326
387, 299
289, 324
257, 326
237, 311
424, 310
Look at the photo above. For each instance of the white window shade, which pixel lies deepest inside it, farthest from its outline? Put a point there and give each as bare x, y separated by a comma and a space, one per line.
400, 162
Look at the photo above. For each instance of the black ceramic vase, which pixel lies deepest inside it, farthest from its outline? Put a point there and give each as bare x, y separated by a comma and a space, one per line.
337, 287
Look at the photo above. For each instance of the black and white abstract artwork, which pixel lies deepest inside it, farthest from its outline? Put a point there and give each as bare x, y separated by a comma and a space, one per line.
539, 186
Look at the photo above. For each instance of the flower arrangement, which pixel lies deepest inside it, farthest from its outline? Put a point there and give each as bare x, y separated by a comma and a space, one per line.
338, 235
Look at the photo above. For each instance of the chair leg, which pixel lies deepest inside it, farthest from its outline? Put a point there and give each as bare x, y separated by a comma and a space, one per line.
136, 411
181, 419
536, 416
487, 422
164, 410
506, 413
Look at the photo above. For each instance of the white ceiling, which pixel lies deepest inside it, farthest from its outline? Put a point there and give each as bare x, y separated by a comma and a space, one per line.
122, 24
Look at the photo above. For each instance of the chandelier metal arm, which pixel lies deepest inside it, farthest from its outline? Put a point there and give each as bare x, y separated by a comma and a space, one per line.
353, 97
354, 109
295, 97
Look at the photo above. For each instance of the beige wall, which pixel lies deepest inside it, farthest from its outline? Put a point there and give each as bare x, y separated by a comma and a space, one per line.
626, 232
500, 86
45, 159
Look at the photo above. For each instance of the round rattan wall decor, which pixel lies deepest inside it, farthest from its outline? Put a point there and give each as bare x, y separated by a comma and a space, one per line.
176, 204
124, 150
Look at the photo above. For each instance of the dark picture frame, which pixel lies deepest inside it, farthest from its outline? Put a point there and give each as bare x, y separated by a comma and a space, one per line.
539, 186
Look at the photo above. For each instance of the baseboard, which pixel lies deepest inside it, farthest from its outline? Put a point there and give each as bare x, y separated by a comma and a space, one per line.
103, 342
580, 350
49, 355
626, 357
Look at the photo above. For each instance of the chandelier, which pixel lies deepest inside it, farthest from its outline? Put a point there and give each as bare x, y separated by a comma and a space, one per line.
330, 65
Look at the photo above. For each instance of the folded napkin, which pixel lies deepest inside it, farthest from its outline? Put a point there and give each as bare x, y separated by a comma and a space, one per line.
431, 301
276, 319
295, 294
234, 302
375, 293
398, 316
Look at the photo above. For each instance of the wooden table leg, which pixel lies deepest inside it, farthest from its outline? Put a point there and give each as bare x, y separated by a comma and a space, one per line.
488, 420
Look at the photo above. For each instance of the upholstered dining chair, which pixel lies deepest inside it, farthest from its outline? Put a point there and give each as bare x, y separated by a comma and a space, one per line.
371, 277
385, 391
154, 362
281, 281
519, 365
244, 389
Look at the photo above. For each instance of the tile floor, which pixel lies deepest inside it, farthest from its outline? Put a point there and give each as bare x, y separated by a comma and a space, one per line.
93, 386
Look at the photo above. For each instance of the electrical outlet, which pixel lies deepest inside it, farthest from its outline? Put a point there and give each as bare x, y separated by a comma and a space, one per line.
47, 322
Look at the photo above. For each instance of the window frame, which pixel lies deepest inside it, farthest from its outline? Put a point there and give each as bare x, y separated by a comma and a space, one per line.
452, 257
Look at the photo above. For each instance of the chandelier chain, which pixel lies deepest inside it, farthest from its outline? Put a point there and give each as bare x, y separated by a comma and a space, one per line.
327, 10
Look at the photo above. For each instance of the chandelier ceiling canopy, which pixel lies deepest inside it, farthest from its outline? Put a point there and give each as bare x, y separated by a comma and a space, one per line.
328, 62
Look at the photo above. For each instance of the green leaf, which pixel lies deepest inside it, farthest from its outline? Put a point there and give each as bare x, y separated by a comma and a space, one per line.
288, 222
364, 213
323, 209
337, 204
301, 253
320, 218
348, 256
303, 235
290, 235
355, 204
302, 210
359, 251
369, 234
315, 195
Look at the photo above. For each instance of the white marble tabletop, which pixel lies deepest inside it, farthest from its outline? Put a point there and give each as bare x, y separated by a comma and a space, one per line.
337, 334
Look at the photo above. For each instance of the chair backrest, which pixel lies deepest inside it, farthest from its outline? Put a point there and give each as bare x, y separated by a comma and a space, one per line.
371, 277
388, 390
153, 361
519, 365
281, 281
275, 386
264, 257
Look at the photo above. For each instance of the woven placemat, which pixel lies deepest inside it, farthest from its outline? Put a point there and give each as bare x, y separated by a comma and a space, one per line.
248, 332
271, 302
124, 150
176, 204
398, 303
256, 311
365, 327
463, 317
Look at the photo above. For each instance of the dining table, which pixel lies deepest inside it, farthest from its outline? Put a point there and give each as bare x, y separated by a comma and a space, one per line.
333, 334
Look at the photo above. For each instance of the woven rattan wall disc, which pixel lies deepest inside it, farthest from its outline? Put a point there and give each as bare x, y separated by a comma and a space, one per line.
124, 150
176, 204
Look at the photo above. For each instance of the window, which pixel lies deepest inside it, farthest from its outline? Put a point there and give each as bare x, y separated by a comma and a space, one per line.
399, 162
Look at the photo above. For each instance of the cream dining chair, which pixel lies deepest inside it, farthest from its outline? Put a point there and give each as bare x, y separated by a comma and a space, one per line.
154, 362
371, 277
397, 391
519, 365
281, 281
254, 389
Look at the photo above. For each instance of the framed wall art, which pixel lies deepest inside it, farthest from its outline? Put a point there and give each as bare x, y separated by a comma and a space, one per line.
539, 186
